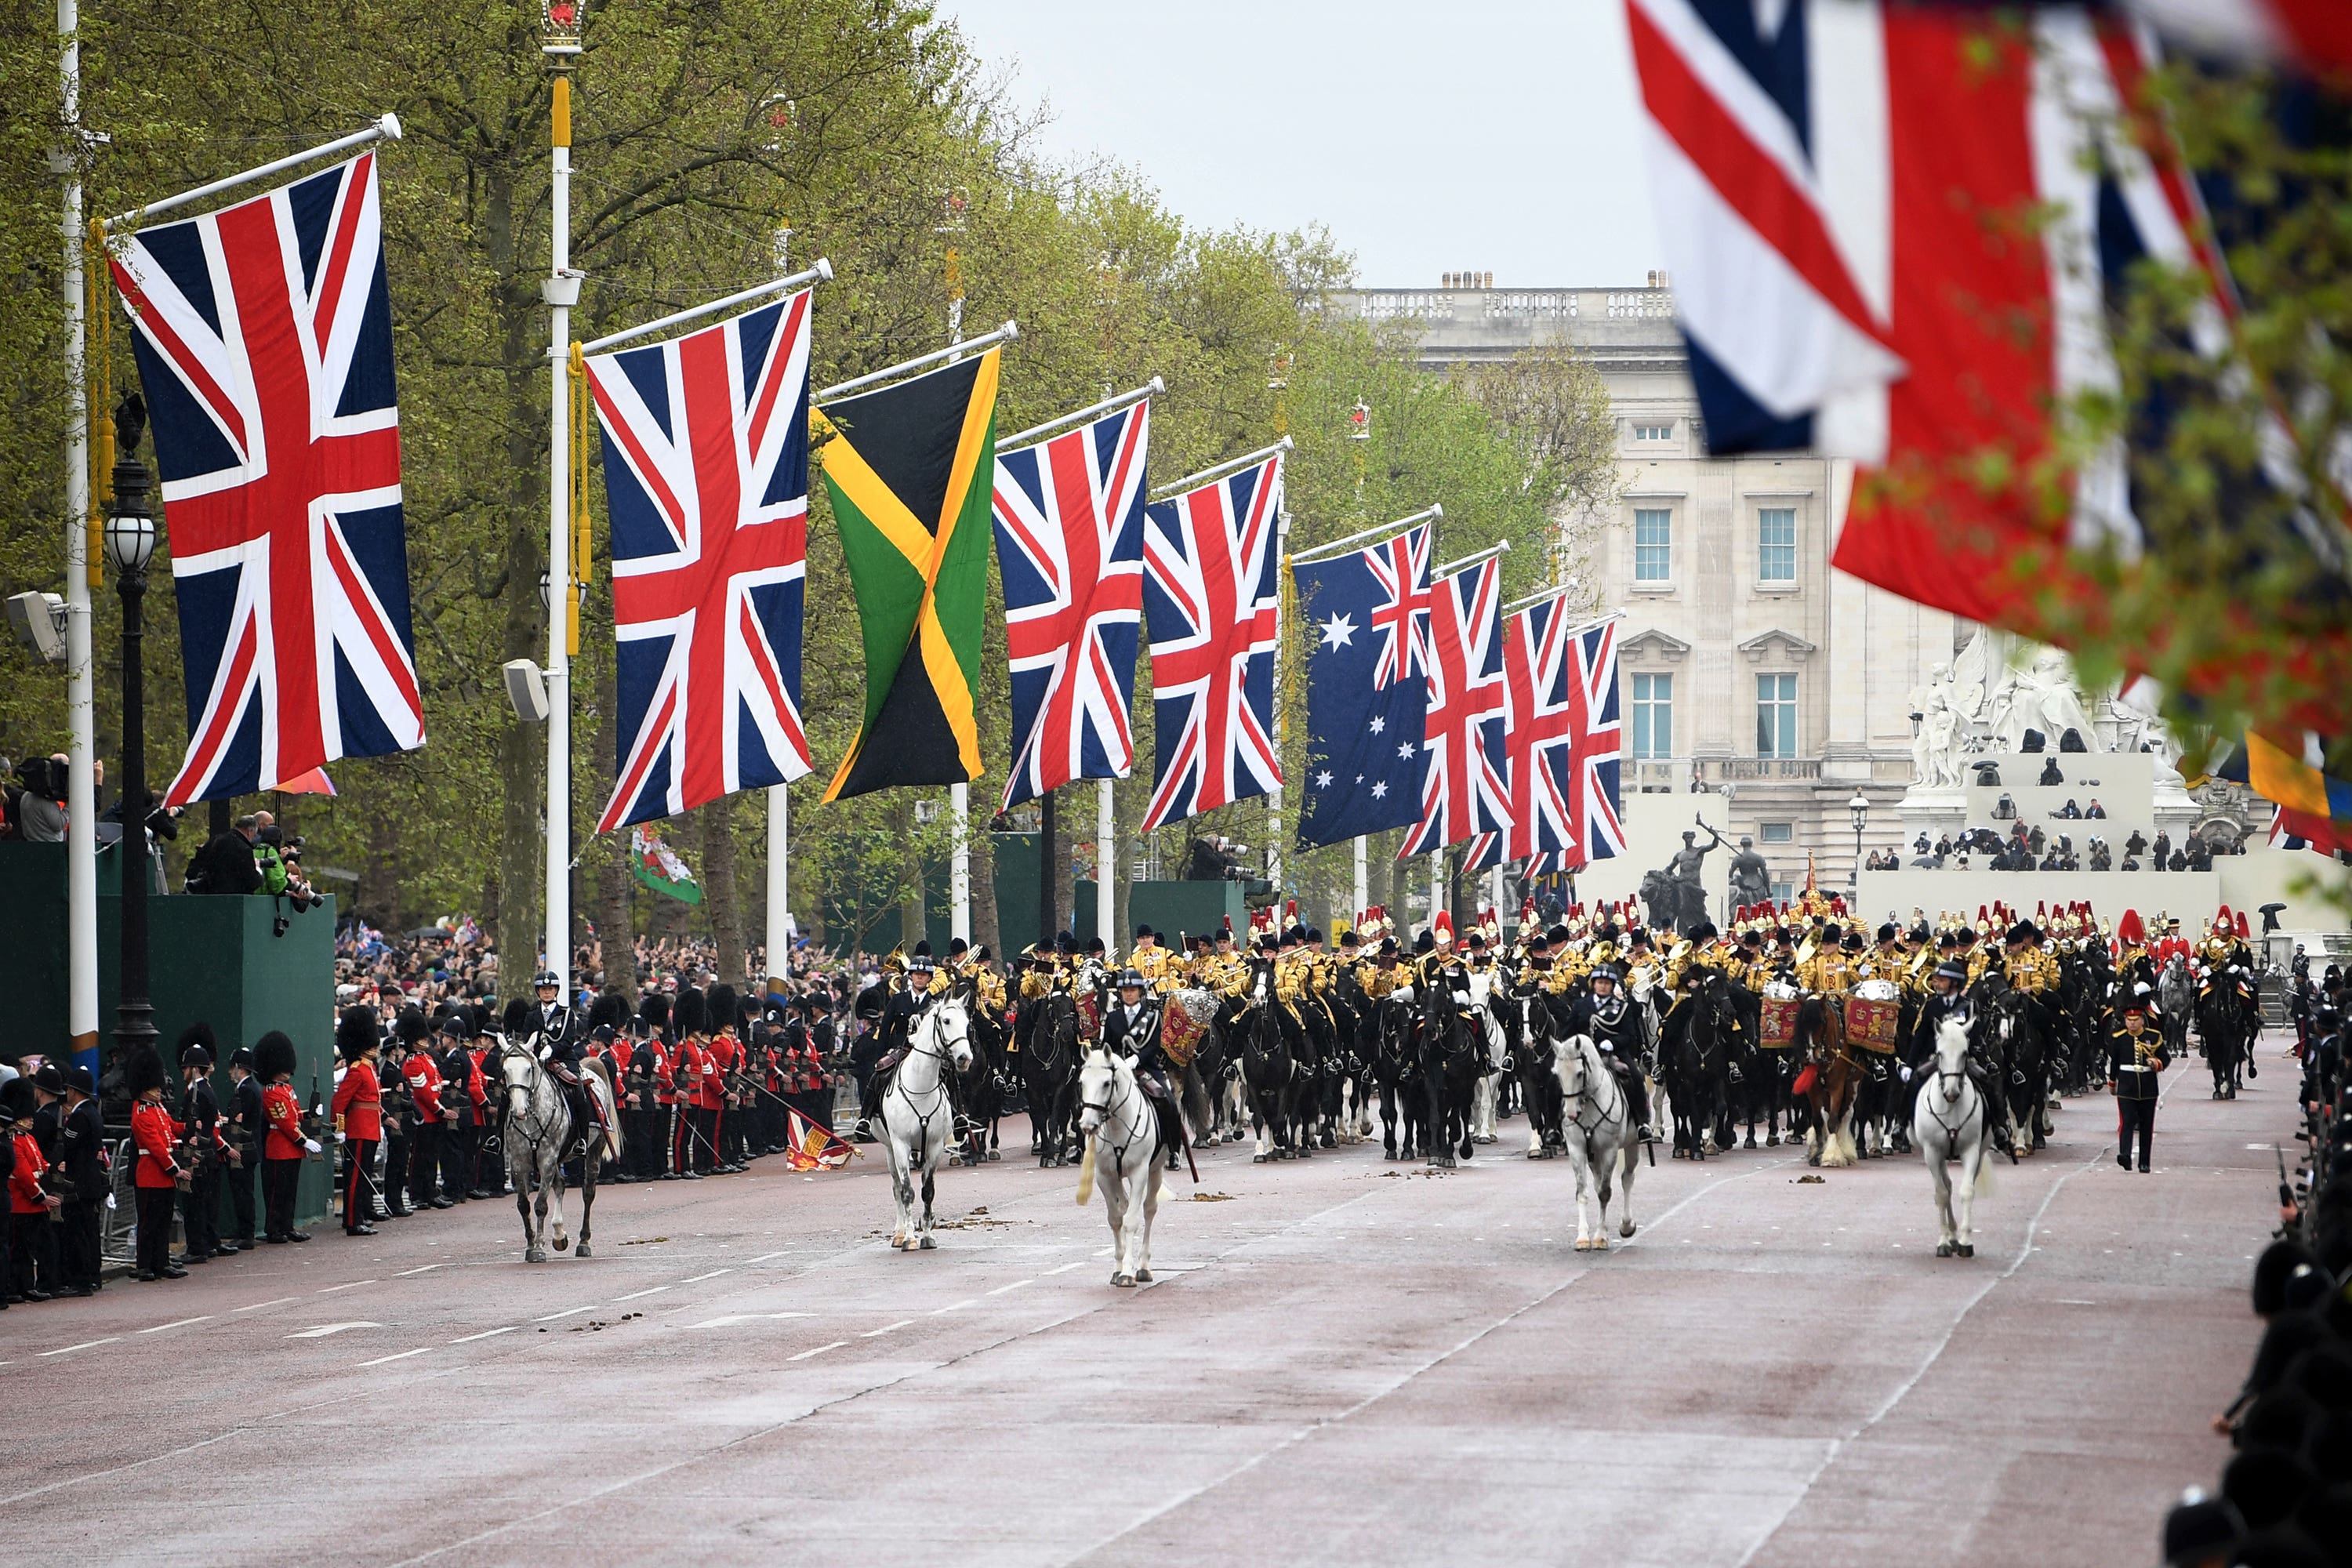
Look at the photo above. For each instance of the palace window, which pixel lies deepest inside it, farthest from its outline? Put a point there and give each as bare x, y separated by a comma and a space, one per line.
1654, 538
1778, 832
1654, 717
1657, 430
1776, 715
1776, 544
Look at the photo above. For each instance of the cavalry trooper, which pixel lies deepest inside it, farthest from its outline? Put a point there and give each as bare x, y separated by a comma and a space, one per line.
1618, 1032
1131, 1026
1150, 960
2135, 1057
1830, 970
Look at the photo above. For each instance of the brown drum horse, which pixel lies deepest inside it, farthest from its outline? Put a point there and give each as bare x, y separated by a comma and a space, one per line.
1832, 1076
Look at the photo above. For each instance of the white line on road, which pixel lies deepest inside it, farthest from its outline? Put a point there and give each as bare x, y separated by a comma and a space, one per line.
733, 1318
258, 1305
648, 1290
567, 1312
763, 1258
1065, 1267
183, 1323
85, 1344
402, 1356
486, 1333
700, 1278
1016, 1285
352, 1285
428, 1269
323, 1330
818, 1351
955, 1307
885, 1328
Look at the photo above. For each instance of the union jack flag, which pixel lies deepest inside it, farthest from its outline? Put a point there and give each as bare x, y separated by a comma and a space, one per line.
1541, 709
1401, 567
1464, 792
1596, 738
1069, 541
263, 345
705, 475
1210, 597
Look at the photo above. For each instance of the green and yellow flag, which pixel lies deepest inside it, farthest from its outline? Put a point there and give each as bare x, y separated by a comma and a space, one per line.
908, 470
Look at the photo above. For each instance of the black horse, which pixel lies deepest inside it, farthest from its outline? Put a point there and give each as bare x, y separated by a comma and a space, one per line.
1394, 1024
2011, 1041
1542, 1018
1270, 1069
1695, 1043
1049, 1074
1449, 1062
2220, 1028
985, 1087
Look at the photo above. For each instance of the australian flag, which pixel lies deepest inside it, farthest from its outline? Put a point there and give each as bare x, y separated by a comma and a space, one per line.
1367, 698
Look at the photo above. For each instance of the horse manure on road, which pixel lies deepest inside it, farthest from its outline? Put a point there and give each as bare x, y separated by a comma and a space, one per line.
1811, 1181
1212, 1197
647, 1241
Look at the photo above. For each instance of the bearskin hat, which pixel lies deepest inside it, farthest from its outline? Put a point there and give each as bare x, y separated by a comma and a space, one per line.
273, 1054
411, 1026
607, 1011
475, 1020
654, 1008
355, 1032
198, 1036
688, 1014
727, 1011
143, 1070
2023, 932
520, 1021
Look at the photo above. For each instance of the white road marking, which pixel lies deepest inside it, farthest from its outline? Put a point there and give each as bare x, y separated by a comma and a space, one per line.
885, 1328
1016, 1285
700, 1278
323, 1330
352, 1285
402, 1356
763, 1258
567, 1312
649, 1291
818, 1351
258, 1305
733, 1318
486, 1333
85, 1344
1065, 1267
183, 1323
955, 1307
426, 1269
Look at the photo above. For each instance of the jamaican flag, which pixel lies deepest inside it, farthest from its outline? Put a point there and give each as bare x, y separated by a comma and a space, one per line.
909, 469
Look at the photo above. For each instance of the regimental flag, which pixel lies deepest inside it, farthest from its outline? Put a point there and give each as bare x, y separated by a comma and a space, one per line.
1366, 695
1069, 543
657, 866
705, 475
1464, 792
908, 473
811, 1147
1854, 279
263, 345
1212, 600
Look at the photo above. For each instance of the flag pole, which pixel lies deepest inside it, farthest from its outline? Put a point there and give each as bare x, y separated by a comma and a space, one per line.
1004, 334
1230, 466
821, 273
780, 918
1455, 568
82, 806
384, 129
1433, 513
561, 290
1092, 411
1363, 887
958, 793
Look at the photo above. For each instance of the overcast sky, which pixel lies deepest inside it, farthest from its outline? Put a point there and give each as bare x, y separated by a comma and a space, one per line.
1497, 135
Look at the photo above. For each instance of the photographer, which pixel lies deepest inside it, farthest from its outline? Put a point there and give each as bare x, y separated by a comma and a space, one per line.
227, 864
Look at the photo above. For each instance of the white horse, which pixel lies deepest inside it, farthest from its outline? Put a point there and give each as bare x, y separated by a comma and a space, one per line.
538, 1138
1485, 1094
918, 1122
1125, 1157
1600, 1135
1948, 1122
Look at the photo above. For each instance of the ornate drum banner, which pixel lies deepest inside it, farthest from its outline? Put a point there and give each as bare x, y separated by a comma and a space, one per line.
1183, 1022
1873, 1015
1777, 1025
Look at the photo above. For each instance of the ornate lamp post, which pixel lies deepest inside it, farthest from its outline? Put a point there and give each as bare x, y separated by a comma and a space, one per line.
1859, 809
130, 544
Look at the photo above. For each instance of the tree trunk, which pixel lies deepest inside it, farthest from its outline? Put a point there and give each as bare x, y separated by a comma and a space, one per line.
986, 931
912, 927
1400, 886
612, 877
522, 748
719, 894
1056, 868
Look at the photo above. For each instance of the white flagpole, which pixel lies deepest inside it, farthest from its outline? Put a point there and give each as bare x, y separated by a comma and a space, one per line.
958, 793
1106, 866
562, 291
780, 918
1363, 884
82, 806
1436, 884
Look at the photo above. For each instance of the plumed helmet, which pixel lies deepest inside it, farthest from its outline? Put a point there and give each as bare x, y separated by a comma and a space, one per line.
654, 1008
689, 1015
273, 1055
519, 1020
607, 1011
143, 1070
356, 1032
411, 1026
725, 1009
196, 1046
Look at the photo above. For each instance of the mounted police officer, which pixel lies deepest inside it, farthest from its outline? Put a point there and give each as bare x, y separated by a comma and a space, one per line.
1131, 1026
1615, 1029
891, 1030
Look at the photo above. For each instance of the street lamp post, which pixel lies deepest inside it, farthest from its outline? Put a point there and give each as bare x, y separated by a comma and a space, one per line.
1859, 809
130, 544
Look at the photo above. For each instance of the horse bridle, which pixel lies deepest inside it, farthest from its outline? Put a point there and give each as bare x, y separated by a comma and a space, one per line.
534, 1132
1118, 1151
1585, 1096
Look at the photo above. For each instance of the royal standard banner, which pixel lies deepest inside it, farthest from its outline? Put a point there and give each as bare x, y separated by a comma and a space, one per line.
908, 470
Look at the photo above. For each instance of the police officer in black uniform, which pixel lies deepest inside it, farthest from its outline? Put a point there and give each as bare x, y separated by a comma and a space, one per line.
1131, 1026
2135, 1057
890, 1033
1617, 1031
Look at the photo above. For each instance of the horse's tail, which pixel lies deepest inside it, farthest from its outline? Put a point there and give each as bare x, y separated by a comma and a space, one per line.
1194, 1096
600, 1089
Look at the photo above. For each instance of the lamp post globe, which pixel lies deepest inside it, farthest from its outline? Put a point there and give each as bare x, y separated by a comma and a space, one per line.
1859, 809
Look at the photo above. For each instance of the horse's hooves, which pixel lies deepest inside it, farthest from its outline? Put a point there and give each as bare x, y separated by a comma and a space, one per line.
1124, 1281
1600, 1243
1943, 1249
1750, 1143
928, 1244
583, 1249
1626, 1230
562, 1243
1257, 1159
1143, 1277
1582, 1244
1968, 1250
995, 1155
1773, 1142
1813, 1159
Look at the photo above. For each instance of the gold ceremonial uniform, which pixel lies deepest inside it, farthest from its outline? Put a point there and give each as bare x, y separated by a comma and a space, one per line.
1828, 971
2029, 970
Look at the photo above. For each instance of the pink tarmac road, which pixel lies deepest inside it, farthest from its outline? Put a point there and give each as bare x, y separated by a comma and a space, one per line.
1343, 1361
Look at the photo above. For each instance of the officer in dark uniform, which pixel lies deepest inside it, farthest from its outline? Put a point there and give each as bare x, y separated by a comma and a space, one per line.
897, 1019
1132, 1025
246, 1132
200, 1111
1614, 1028
2135, 1057
399, 1116
81, 1150
867, 1010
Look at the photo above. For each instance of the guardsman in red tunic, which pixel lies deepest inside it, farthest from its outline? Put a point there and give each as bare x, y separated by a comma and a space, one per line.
281, 1113
726, 1054
154, 1134
359, 1115
689, 1019
432, 1124
28, 1202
